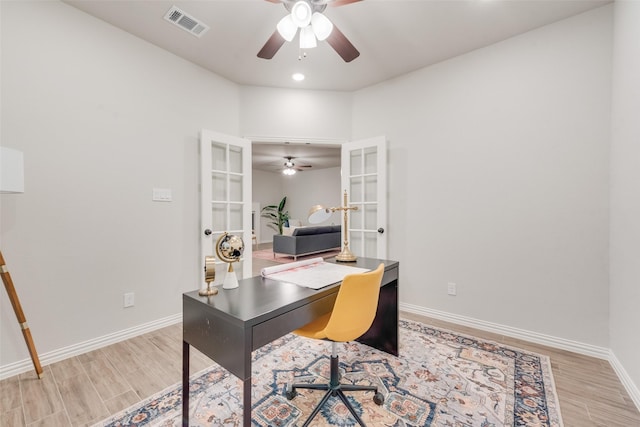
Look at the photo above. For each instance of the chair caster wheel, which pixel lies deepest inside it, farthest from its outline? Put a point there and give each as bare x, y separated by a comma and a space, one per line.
378, 398
289, 392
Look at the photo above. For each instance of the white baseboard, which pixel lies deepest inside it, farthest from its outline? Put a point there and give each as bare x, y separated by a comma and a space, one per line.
548, 340
25, 365
631, 388
47, 358
523, 334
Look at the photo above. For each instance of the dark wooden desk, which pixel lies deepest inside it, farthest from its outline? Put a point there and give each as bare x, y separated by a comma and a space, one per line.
228, 326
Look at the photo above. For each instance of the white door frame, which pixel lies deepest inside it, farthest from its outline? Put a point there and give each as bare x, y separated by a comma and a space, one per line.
207, 199
378, 176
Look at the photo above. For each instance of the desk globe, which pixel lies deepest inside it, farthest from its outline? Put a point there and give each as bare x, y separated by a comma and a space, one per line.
229, 249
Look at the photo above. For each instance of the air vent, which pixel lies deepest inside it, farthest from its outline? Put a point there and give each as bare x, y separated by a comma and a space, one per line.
186, 22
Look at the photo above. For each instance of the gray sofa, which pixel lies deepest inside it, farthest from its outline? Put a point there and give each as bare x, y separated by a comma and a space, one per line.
308, 240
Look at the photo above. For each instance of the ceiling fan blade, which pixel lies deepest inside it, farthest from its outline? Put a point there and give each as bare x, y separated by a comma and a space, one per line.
274, 1
336, 3
342, 45
272, 46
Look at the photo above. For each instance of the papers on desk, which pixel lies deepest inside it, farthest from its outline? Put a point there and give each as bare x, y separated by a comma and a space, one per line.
313, 273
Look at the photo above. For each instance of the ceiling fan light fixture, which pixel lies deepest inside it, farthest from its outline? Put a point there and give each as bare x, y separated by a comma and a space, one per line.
287, 28
321, 25
301, 14
289, 171
307, 15
307, 38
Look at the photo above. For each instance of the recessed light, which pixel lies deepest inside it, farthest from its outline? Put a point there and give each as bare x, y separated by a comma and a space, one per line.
298, 77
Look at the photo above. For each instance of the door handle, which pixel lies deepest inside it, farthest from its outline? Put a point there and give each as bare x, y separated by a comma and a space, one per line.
207, 232
381, 230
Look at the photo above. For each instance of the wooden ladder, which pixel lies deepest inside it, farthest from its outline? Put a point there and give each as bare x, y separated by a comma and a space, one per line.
17, 308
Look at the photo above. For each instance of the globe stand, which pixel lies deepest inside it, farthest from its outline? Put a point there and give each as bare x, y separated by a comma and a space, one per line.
230, 279
229, 249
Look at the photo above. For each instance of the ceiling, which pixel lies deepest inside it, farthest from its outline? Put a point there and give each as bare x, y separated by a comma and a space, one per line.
271, 157
394, 37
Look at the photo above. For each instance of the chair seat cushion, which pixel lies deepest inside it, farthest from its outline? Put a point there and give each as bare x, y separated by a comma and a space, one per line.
314, 329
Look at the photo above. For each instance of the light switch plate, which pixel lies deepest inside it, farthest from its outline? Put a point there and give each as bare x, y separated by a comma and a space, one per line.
161, 195
451, 289
129, 299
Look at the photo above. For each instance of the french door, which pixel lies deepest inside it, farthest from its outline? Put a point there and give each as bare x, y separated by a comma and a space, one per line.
225, 197
364, 177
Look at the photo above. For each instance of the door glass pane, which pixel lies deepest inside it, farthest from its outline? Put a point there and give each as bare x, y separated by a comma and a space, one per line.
356, 162
236, 218
235, 188
218, 186
355, 192
214, 239
219, 216
355, 218
370, 217
370, 188
355, 243
218, 157
235, 159
370, 160
370, 244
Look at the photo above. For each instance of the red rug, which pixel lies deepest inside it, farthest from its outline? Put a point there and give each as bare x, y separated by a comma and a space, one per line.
267, 254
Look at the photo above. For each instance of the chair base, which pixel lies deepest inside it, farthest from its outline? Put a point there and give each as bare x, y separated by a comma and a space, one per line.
334, 388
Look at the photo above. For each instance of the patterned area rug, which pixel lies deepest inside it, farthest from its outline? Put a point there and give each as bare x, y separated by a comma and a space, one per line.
441, 379
267, 254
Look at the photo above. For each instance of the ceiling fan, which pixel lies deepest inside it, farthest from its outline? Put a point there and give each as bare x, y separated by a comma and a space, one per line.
290, 168
307, 16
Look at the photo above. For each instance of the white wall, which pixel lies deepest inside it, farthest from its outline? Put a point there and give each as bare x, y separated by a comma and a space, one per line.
102, 117
303, 190
310, 188
499, 179
498, 175
278, 114
291, 113
267, 190
625, 188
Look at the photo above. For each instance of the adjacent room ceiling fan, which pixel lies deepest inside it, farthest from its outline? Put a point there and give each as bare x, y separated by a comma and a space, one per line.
307, 16
290, 168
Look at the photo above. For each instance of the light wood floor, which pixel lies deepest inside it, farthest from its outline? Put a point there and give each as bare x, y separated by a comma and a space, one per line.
88, 388
85, 389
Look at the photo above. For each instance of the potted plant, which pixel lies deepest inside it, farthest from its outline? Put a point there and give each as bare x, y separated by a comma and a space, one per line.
277, 215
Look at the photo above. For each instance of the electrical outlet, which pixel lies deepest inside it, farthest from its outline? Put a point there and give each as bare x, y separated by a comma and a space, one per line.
129, 299
451, 289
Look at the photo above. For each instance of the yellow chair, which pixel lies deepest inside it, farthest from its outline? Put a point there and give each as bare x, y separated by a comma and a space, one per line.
352, 315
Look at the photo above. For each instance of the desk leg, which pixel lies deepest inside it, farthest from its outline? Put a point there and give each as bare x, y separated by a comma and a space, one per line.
246, 402
185, 384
